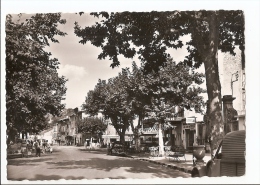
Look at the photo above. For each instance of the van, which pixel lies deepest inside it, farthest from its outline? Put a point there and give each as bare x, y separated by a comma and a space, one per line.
229, 159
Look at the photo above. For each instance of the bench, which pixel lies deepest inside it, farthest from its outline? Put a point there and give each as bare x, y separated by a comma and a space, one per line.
175, 153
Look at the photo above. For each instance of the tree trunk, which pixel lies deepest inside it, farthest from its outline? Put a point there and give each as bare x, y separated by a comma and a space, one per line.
135, 132
137, 137
215, 125
161, 145
122, 135
122, 138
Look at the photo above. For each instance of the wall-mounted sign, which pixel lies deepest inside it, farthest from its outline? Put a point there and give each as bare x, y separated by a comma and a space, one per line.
190, 126
191, 120
186, 126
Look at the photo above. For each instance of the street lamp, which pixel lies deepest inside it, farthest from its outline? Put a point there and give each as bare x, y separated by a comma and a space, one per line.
236, 79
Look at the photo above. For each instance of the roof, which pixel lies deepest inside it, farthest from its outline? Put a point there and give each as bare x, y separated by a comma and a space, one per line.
46, 130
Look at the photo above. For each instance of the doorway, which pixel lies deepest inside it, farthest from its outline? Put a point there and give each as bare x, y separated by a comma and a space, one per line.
173, 140
189, 137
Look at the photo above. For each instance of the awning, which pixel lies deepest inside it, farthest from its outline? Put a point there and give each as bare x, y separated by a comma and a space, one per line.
148, 134
110, 136
167, 125
175, 119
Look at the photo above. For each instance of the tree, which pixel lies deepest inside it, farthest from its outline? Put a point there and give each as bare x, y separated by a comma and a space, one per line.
170, 83
111, 99
33, 87
93, 125
150, 34
133, 94
174, 85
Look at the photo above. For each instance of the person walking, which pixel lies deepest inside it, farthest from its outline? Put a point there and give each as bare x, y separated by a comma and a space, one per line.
37, 148
44, 146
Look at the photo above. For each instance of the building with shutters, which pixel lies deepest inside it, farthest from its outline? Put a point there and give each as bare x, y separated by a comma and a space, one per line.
65, 127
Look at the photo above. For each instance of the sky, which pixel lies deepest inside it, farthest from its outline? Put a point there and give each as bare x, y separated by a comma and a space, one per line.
80, 65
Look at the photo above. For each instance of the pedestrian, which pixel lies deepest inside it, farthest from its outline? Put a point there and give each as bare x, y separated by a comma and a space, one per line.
108, 148
43, 146
48, 147
87, 144
37, 148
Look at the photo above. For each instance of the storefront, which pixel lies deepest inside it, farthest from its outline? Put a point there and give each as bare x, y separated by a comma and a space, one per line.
149, 133
174, 134
189, 133
193, 133
69, 140
110, 138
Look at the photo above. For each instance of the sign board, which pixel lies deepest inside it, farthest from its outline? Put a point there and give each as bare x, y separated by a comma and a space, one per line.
191, 120
186, 126
190, 126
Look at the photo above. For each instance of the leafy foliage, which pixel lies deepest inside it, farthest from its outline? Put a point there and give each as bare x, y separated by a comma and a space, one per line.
132, 93
154, 32
92, 125
149, 35
33, 87
111, 99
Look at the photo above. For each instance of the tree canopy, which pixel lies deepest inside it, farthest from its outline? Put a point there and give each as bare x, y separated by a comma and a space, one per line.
133, 94
33, 87
150, 35
154, 32
93, 125
111, 99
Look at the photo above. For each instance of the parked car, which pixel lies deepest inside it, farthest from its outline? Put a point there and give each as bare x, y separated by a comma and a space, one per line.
229, 159
118, 148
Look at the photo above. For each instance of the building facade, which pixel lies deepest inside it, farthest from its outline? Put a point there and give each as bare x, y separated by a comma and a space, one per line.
65, 127
232, 78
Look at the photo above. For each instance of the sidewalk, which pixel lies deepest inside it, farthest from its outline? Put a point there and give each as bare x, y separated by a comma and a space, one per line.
21, 155
178, 165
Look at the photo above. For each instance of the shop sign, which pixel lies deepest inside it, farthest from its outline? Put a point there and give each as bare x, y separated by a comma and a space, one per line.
191, 126
191, 120
186, 126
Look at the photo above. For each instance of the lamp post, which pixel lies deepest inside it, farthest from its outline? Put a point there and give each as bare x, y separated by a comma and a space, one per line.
232, 81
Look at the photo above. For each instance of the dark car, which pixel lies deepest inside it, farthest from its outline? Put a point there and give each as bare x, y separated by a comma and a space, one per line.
118, 148
229, 159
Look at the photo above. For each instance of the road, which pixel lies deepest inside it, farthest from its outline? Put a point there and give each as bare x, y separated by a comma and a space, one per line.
75, 163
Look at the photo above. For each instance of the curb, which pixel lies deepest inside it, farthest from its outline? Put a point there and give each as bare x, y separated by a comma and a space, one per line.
172, 166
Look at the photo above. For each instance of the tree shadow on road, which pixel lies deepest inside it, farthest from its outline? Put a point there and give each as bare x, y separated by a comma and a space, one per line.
93, 151
124, 164
31, 161
40, 177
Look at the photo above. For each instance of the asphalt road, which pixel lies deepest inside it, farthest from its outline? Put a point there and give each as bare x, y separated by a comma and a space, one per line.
75, 163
